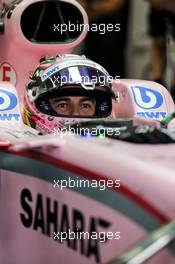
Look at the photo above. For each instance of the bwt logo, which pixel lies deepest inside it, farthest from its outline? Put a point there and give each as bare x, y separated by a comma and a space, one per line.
50, 72
146, 98
8, 100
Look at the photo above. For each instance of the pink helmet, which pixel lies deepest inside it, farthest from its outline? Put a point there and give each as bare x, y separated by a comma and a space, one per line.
61, 76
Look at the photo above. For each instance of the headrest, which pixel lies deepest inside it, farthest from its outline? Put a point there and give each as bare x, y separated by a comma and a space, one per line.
145, 99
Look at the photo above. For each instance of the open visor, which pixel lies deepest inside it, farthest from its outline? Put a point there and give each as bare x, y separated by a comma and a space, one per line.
87, 77
76, 102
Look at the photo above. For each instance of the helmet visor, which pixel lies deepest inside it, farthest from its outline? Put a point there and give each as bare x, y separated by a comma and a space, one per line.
87, 77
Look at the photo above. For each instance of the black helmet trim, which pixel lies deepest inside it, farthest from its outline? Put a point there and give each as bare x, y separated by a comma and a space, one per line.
103, 101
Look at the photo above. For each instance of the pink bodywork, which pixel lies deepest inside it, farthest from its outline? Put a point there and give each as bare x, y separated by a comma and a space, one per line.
19, 57
146, 173
127, 106
144, 200
146, 179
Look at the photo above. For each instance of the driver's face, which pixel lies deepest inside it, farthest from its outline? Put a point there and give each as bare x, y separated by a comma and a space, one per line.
73, 106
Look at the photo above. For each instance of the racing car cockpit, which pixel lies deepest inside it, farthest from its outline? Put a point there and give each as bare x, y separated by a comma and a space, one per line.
72, 91
90, 183
68, 88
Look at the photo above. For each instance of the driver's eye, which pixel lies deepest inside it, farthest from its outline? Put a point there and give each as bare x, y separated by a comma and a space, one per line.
85, 105
62, 105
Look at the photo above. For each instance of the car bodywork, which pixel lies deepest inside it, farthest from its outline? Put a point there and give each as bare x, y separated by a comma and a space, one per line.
138, 199
36, 209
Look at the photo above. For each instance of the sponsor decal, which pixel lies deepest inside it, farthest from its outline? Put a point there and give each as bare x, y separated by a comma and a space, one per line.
7, 73
152, 115
49, 72
8, 102
49, 217
9, 117
147, 98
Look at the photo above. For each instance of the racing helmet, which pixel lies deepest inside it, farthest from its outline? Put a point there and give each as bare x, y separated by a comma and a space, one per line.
63, 77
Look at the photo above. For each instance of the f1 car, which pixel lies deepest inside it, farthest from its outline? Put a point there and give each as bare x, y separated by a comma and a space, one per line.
54, 185
85, 197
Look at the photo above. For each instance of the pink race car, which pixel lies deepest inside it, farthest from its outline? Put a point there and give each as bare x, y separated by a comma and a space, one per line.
82, 190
